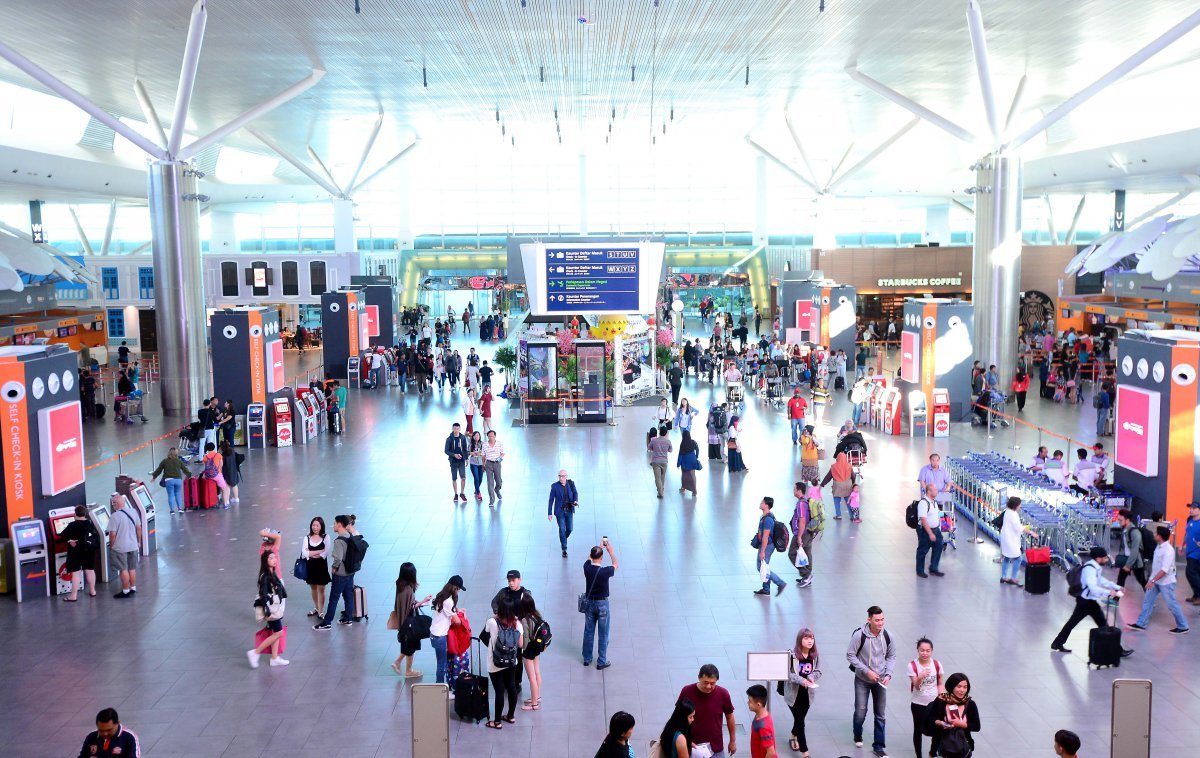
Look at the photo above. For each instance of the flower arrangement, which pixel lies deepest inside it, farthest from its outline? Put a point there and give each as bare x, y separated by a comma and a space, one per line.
664, 336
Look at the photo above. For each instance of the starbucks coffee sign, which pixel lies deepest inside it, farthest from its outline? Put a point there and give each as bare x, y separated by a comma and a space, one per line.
945, 281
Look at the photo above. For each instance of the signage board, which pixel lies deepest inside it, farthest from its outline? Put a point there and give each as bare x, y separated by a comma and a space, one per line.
1136, 429
275, 375
910, 356
592, 279
61, 433
371, 316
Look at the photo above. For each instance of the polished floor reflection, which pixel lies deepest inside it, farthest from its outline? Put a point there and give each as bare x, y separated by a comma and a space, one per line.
172, 661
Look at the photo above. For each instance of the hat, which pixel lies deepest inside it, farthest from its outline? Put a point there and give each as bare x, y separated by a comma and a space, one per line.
514, 574
1097, 552
1194, 505
457, 581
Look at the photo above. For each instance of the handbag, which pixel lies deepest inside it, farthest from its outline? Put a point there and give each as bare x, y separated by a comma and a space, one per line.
732, 444
801, 557
1036, 555
1122, 561
275, 606
954, 742
416, 626
300, 569
262, 634
393, 621
585, 598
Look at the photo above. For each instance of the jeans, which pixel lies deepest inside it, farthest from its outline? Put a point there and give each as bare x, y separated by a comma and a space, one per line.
477, 476
343, 588
566, 525
377, 377
1010, 563
597, 615
856, 413
860, 371
174, 493
439, 651
1168, 593
837, 505
1101, 417
797, 427
772, 577
878, 694
923, 546
1193, 575
802, 540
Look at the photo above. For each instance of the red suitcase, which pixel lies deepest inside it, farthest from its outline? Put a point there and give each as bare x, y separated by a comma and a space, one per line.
199, 492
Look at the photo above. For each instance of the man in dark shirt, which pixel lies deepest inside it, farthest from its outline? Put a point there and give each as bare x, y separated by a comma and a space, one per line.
123, 354
713, 705
485, 374
456, 452
514, 591
596, 599
675, 375
110, 739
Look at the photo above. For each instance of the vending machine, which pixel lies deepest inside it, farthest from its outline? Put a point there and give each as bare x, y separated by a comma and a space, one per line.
31, 557
256, 426
941, 412
281, 414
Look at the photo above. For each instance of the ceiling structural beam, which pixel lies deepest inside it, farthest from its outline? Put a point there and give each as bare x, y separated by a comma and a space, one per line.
771, 157
324, 169
1169, 202
1070, 240
379, 171
983, 68
48, 80
300, 165
67, 260
1050, 219
837, 168
1121, 69
149, 112
910, 105
367, 149
799, 146
1016, 103
872, 155
142, 248
83, 240
961, 204
261, 109
187, 75
108, 227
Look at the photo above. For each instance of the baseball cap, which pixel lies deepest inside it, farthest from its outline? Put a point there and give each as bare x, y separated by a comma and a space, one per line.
1097, 552
457, 581
514, 574
1194, 505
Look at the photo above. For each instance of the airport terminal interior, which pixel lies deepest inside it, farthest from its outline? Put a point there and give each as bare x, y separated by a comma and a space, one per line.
963, 228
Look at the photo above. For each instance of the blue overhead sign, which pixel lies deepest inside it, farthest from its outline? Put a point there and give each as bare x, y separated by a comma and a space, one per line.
592, 279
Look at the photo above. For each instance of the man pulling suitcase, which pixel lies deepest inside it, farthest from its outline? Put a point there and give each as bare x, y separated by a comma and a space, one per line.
1086, 584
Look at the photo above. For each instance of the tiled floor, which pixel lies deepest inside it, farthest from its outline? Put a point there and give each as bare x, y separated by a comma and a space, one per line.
172, 660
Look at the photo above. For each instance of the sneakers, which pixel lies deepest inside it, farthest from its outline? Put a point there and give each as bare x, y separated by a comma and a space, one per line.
123, 595
858, 743
253, 658
779, 590
880, 754
763, 592
1136, 626
602, 666
805, 582
321, 627
345, 622
314, 612
1178, 630
279, 661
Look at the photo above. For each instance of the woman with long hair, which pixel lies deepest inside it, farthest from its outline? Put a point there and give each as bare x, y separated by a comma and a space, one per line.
620, 732
503, 675
531, 619
445, 615
271, 592
231, 469
314, 551
675, 740
802, 678
684, 415
688, 462
475, 459
953, 716
406, 603
736, 463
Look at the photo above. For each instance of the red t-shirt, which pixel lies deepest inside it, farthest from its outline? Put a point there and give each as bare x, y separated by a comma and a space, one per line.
762, 736
711, 710
796, 407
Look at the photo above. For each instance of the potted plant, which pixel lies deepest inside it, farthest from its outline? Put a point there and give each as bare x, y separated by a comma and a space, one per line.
506, 359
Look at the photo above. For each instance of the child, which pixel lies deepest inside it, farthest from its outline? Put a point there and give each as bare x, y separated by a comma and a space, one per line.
855, 504
762, 730
948, 527
813, 495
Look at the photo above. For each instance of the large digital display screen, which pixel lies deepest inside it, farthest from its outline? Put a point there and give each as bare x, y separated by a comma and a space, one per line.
592, 279
1136, 429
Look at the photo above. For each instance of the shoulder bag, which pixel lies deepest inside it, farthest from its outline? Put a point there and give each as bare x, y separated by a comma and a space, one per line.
416, 626
585, 598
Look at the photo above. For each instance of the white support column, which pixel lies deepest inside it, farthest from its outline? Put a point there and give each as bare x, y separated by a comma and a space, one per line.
344, 239
1050, 219
148, 110
833, 185
366, 153
382, 169
937, 224
910, 105
1075, 220
324, 170
983, 68
108, 228
760, 201
583, 195
771, 157
996, 262
83, 238
187, 75
300, 165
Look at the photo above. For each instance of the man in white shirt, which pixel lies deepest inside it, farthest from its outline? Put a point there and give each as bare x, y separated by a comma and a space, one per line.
1085, 473
493, 456
1087, 603
929, 535
1162, 582
1039, 460
377, 369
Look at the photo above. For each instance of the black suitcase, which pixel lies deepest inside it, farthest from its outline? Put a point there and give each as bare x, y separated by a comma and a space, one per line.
1037, 578
100, 409
1104, 646
471, 689
839, 383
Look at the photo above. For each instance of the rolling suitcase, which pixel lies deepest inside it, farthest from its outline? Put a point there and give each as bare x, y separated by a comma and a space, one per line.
360, 604
839, 383
1104, 646
1037, 578
471, 689
100, 409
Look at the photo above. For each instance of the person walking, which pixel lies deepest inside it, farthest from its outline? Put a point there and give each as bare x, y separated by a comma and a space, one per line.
493, 457
1011, 531
596, 605
675, 380
1102, 403
734, 444
929, 534
314, 551
445, 615
841, 476
469, 408
799, 691
504, 642
213, 463
924, 684
456, 449
808, 521
564, 498
871, 655
270, 601
124, 544
675, 740
663, 417
485, 407
1087, 603
231, 470
173, 470
684, 415
858, 397
688, 463
762, 726
620, 732
660, 452
764, 543
1191, 541
406, 603
713, 709
718, 431
810, 455
953, 717
1133, 550
342, 575
532, 646
475, 459
797, 409
82, 541
1020, 387
1162, 582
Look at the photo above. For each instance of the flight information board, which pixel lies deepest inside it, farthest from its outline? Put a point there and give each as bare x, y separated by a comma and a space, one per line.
592, 279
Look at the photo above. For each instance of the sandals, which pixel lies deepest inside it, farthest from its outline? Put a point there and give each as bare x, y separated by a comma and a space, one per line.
531, 706
508, 719
412, 674
794, 744
493, 725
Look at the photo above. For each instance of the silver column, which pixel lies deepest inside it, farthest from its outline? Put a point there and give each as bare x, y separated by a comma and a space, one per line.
996, 263
179, 287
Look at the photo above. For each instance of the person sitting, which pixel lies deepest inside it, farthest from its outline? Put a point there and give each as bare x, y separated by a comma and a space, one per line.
851, 441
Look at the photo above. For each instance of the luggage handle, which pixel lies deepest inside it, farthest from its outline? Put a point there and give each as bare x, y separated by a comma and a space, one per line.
476, 659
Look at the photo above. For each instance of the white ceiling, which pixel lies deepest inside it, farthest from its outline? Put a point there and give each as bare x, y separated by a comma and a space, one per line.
681, 64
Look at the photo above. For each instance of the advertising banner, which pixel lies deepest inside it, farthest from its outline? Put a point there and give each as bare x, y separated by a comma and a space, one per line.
371, 314
276, 379
910, 356
60, 429
637, 366
1136, 429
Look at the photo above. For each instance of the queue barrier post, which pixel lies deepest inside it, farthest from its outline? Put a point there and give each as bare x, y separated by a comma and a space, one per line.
121, 464
1015, 446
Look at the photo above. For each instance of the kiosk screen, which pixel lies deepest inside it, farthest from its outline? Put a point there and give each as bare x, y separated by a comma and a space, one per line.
102, 516
143, 495
27, 536
60, 525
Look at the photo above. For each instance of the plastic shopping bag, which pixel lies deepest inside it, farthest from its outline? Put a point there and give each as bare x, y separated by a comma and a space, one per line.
801, 557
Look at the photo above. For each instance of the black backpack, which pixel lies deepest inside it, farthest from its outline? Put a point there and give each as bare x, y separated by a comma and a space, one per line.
780, 536
356, 550
910, 515
1075, 581
504, 651
720, 421
540, 639
1148, 543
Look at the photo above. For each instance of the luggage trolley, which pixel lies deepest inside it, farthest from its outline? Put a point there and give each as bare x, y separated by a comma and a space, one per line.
735, 395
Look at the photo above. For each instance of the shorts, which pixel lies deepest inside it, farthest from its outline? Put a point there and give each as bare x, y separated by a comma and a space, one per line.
458, 469
275, 625
219, 479
122, 561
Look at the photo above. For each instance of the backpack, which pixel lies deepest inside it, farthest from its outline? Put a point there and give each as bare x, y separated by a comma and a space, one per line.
780, 536
1148, 543
356, 550
1096, 400
210, 467
504, 651
720, 421
862, 640
816, 517
540, 639
910, 515
1075, 581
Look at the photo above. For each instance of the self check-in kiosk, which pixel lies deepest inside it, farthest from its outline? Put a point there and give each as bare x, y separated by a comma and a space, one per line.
101, 514
354, 372
918, 414
281, 421
31, 555
305, 421
59, 519
941, 412
890, 415
139, 496
256, 426
875, 404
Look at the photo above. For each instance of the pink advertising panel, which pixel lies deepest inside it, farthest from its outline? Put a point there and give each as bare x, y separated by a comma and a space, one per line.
371, 314
1136, 429
276, 378
910, 356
